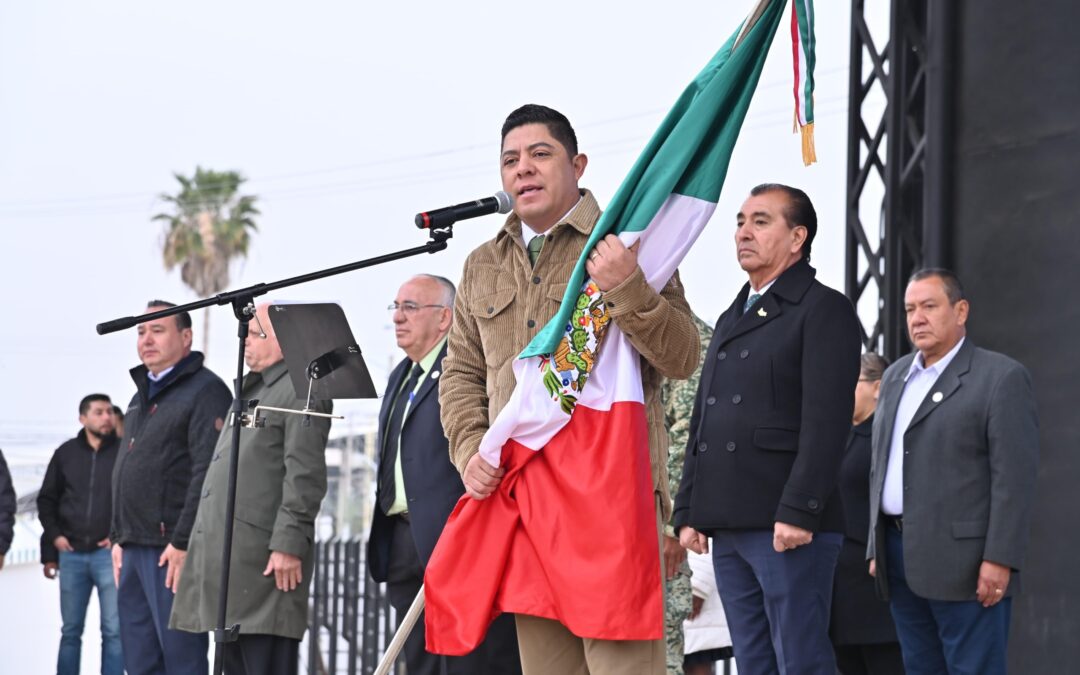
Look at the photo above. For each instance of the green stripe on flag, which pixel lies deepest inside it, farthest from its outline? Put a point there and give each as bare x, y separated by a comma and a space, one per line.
688, 155
804, 13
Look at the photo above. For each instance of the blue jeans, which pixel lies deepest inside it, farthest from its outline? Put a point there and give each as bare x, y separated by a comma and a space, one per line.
80, 573
940, 637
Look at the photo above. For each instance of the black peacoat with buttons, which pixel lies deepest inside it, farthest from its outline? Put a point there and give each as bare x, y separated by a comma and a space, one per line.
773, 411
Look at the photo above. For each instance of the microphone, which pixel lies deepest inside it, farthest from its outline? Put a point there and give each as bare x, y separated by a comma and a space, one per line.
500, 203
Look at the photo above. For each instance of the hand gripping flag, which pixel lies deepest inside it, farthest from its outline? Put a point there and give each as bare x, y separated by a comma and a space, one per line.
571, 532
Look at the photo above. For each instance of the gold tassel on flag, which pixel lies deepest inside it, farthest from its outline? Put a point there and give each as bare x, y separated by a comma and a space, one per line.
802, 39
809, 155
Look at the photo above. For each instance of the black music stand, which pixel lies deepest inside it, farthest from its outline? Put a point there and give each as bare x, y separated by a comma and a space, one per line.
324, 360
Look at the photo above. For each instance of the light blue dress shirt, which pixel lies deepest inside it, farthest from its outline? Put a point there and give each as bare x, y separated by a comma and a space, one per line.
917, 386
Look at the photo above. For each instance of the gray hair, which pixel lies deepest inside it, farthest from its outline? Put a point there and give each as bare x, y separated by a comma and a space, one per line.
449, 292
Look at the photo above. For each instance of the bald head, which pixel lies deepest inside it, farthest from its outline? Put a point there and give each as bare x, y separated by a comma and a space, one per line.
425, 306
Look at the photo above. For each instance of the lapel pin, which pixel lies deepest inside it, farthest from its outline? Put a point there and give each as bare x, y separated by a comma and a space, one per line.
434, 374
761, 312
936, 398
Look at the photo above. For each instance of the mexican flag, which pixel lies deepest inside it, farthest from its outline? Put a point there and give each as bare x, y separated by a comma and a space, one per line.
571, 532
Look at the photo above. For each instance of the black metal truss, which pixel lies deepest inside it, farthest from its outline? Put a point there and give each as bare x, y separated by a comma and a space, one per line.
911, 72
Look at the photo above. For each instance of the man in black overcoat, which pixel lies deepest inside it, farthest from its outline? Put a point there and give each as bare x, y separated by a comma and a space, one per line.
766, 440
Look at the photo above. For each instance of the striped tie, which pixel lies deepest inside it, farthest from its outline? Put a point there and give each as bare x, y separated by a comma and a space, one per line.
535, 244
750, 302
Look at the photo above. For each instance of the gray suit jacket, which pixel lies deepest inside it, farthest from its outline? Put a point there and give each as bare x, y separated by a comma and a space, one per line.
970, 461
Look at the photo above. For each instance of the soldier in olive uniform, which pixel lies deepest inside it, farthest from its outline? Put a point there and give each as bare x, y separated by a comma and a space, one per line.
678, 400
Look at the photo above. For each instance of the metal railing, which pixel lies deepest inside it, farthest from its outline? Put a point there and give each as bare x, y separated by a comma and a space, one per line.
350, 620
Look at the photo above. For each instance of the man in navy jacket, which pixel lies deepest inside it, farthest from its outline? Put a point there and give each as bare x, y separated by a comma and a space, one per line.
171, 426
418, 485
767, 436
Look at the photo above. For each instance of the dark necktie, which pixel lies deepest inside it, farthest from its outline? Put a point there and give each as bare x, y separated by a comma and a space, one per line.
754, 297
392, 439
535, 244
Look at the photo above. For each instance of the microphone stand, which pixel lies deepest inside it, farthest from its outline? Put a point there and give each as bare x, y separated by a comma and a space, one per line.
242, 301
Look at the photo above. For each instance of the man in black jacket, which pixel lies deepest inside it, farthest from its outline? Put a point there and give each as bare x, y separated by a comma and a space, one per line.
75, 506
170, 429
8, 506
766, 440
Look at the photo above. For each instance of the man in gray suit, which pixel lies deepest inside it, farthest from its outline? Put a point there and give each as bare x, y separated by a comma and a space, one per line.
952, 483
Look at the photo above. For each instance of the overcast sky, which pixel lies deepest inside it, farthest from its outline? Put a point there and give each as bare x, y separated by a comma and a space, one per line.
347, 118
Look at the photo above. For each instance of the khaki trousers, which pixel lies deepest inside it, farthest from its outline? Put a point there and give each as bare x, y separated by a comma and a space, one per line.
548, 648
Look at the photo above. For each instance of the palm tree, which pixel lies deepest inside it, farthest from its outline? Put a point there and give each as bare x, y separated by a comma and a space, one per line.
210, 224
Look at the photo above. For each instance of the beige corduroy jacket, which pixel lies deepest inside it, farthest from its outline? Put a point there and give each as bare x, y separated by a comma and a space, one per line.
503, 302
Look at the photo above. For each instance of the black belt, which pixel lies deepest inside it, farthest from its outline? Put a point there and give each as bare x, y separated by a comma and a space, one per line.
894, 522
404, 515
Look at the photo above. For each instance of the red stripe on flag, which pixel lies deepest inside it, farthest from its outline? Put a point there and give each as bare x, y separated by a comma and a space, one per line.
569, 535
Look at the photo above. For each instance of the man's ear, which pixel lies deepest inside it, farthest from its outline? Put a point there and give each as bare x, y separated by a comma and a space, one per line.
185, 335
798, 237
962, 309
580, 161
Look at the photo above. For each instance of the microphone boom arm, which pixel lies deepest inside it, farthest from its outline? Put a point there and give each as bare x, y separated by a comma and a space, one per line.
242, 301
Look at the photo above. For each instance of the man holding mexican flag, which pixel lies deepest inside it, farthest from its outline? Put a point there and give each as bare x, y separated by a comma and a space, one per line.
564, 325
511, 287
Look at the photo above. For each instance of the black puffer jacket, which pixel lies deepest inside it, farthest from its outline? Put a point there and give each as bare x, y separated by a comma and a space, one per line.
168, 440
7, 507
75, 499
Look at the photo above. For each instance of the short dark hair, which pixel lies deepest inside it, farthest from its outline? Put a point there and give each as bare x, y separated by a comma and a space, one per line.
799, 211
872, 366
555, 121
954, 290
84, 405
183, 319
118, 412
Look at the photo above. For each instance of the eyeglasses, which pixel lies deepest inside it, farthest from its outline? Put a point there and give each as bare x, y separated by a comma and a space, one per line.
410, 307
262, 331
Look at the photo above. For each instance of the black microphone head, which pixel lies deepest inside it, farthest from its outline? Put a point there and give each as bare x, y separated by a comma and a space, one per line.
506, 202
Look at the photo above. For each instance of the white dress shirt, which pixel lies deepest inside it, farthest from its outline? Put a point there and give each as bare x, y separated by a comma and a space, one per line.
161, 375
764, 289
917, 385
527, 232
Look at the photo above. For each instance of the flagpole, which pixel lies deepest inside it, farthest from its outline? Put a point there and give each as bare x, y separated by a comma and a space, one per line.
750, 22
403, 631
